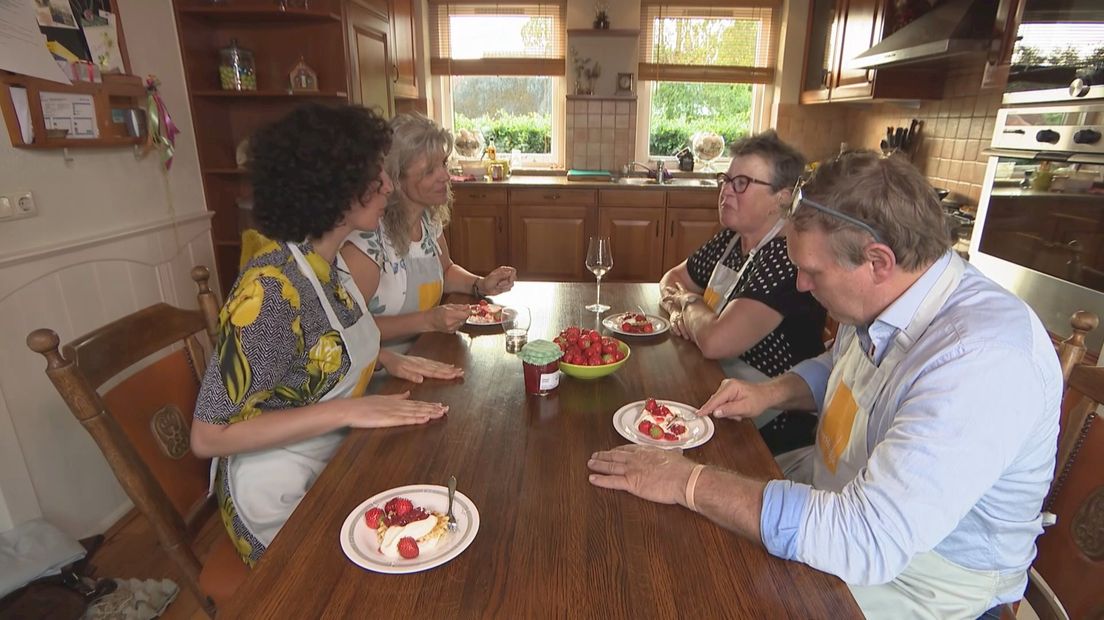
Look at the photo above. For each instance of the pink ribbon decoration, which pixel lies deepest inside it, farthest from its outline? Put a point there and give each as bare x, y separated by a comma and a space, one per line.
162, 130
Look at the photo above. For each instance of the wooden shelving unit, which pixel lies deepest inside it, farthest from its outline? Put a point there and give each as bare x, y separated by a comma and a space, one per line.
223, 119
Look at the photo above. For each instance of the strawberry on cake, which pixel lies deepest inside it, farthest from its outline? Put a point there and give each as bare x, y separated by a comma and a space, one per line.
633, 323
485, 312
659, 422
404, 530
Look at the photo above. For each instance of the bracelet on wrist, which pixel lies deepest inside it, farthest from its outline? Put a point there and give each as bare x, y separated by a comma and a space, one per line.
691, 484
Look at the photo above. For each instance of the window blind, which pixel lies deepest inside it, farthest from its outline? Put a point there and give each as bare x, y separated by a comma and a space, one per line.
709, 40
488, 37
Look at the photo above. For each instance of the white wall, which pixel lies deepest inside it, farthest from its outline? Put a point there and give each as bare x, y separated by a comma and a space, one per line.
113, 234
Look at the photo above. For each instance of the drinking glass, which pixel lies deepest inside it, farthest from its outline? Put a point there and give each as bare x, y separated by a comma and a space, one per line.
599, 261
515, 322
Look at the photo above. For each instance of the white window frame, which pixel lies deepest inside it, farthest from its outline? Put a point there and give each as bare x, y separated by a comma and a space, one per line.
554, 160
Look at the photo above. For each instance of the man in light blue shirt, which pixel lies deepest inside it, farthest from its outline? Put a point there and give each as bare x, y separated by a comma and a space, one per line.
939, 406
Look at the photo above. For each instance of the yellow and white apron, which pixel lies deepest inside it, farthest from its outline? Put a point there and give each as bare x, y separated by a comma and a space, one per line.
267, 485
722, 282
930, 586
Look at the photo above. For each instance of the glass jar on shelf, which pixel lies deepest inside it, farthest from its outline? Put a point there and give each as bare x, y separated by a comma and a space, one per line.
237, 70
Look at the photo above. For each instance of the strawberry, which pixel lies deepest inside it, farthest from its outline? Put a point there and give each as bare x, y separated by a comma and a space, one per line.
650, 405
670, 436
664, 411
678, 429
644, 427
398, 506
408, 548
482, 302
372, 517
656, 432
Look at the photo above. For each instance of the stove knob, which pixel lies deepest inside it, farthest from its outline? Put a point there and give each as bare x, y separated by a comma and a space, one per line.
1048, 135
1087, 136
1079, 88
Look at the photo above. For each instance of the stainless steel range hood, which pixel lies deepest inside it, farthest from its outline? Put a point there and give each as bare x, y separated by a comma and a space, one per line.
953, 28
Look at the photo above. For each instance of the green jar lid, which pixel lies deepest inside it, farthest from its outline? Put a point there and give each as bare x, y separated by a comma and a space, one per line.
540, 352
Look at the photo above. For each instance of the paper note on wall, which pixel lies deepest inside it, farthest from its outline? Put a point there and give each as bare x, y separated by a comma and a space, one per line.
76, 113
22, 46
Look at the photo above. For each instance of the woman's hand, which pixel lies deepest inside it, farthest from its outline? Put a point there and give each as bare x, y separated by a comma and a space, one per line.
678, 327
447, 317
390, 410
498, 281
417, 369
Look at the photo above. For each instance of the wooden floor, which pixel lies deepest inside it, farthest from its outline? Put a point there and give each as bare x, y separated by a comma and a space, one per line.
130, 550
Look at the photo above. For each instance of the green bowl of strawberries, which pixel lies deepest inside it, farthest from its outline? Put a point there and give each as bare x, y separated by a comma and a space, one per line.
589, 355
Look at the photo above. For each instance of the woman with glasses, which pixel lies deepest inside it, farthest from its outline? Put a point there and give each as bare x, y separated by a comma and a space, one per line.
294, 354
736, 297
402, 269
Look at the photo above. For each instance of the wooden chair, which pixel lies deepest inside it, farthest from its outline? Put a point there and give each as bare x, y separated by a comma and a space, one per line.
142, 421
1063, 582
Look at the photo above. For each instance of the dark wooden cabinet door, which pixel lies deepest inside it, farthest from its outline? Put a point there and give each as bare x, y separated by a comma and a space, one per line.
822, 41
636, 235
687, 230
861, 25
550, 242
370, 67
479, 237
404, 78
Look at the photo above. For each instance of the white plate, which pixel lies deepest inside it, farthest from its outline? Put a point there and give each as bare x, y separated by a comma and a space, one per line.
613, 323
361, 546
470, 321
698, 429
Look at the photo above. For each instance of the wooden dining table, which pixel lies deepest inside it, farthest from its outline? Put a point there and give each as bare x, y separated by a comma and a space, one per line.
549, 544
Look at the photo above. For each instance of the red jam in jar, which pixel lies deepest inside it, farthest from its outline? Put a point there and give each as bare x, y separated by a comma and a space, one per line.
540, 362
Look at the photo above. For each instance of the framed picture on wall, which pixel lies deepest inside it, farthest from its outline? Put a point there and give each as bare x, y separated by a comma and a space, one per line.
625, 84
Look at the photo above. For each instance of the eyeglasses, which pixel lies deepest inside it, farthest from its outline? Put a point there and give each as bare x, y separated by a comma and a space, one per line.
739, 182
799, 199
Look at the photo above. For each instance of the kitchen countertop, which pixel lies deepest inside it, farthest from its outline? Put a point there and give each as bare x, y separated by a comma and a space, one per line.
525, 180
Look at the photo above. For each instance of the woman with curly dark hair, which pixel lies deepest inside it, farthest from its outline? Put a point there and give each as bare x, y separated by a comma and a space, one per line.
294, 353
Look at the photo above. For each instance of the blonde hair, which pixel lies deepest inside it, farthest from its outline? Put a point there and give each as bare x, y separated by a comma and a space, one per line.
413, 137
887, 193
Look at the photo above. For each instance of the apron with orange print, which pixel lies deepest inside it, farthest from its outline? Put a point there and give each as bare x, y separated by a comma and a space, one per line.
267, 485
931, 586
722, 282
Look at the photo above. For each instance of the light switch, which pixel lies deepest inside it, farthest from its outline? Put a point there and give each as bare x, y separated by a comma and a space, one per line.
5, 208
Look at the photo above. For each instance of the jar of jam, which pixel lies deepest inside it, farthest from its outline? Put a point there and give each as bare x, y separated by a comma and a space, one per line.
540, 361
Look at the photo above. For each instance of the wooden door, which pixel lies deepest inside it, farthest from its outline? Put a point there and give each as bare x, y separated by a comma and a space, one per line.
479, 237
636, 235
861, 25
404, 78
550, 242
687, 230
370, 67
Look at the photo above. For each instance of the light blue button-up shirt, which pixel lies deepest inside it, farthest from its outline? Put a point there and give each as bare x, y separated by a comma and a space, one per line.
960, 445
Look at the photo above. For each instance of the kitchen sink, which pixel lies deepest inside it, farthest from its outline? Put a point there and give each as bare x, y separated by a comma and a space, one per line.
670, 182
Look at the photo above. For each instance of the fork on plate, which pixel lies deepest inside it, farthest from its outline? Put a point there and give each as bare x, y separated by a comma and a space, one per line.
452, 527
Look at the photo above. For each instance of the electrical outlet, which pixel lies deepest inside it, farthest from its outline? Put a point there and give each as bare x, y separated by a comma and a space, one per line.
25, 205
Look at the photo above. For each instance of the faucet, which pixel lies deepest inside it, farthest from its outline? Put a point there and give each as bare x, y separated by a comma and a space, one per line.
660, 173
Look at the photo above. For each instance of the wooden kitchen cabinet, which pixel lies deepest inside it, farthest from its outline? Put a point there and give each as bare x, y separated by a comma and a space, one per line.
370, 63
840, 30
549, 232
687, 230
404, 70
633, 221
478, 235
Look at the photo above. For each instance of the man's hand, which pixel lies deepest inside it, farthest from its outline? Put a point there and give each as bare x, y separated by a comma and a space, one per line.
448, 317
737, 399
647, 472
417, 369
498, 281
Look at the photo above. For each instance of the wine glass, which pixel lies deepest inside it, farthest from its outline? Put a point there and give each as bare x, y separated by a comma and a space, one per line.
599, 261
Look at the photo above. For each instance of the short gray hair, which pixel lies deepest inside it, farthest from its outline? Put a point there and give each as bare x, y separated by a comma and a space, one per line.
786, 162
414, 136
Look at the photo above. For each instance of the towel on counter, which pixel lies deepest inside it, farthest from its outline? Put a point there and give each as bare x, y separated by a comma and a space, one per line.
589, 175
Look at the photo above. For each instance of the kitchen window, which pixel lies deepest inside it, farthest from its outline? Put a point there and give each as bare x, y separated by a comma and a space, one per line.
500, 67
705, 67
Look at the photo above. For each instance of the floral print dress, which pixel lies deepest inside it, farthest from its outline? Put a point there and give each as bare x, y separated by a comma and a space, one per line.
276, 349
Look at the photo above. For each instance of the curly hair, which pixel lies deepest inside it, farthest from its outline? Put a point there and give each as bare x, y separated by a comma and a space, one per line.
308, 167
416, 137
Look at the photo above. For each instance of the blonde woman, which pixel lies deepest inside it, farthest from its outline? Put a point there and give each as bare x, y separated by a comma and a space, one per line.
402, 270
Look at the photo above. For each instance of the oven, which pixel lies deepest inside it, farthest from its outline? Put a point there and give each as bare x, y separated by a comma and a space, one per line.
1040, 230
1058, 54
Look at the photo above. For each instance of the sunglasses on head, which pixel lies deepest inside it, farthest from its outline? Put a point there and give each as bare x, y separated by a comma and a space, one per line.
800, 200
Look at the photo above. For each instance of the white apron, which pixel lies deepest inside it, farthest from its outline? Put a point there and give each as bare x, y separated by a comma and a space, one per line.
266, 486
722, 282
930, 586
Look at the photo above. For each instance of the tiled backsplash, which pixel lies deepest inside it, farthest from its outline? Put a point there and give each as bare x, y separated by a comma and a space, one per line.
954, 132
601, 133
